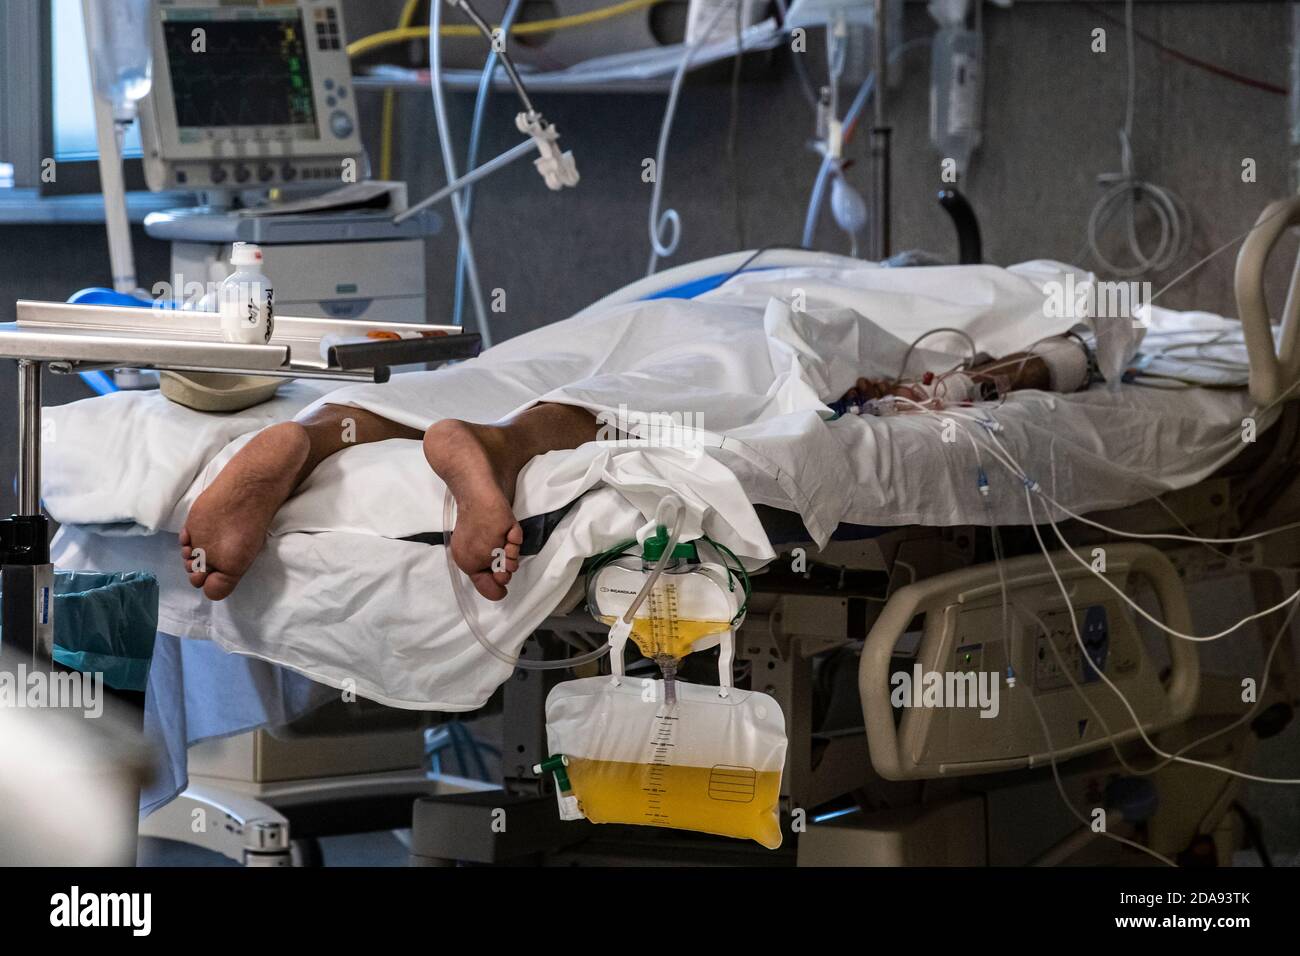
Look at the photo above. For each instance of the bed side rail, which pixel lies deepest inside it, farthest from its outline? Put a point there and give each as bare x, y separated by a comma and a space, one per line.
1274, 371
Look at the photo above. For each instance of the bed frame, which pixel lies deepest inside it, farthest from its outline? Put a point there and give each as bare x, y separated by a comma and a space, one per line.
817, 639
822, 624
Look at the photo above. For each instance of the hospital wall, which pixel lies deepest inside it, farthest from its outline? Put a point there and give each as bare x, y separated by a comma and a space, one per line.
1053, 108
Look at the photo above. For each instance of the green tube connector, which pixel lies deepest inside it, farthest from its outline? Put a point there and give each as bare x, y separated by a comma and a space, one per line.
556, 764
655, 544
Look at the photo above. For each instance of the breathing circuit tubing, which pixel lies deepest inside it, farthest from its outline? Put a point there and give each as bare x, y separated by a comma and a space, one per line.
670, 223
449, 164
464, 600
471, 159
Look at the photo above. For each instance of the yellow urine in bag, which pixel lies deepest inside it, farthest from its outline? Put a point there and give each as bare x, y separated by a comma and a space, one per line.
727, 801
673, 637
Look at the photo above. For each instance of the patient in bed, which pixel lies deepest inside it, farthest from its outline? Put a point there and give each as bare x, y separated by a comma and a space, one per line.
227, 525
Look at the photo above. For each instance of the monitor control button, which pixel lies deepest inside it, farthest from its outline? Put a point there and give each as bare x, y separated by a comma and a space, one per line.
341, 124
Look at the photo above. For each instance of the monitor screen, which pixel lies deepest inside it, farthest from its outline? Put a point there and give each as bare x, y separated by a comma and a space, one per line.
251, 72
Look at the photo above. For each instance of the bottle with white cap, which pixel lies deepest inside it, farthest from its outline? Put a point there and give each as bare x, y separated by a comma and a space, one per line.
246, 300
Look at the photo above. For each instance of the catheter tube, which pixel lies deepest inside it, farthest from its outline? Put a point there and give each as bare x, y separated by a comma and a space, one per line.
464, 601
449, 164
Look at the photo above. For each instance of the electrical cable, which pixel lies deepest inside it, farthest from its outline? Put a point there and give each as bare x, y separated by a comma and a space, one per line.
1030, 488
390, 103
1282, 631
1004, 456
1060, 788
1190, 60
1137, 722
960, 333
1127, 192
1066, 670
375, 41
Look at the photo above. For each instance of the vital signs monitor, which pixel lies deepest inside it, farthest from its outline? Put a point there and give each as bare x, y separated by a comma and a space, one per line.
249, 94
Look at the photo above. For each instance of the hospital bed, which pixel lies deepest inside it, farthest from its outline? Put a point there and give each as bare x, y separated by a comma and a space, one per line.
818, 636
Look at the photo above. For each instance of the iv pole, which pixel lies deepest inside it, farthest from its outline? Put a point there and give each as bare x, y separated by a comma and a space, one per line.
110, 132
880, 143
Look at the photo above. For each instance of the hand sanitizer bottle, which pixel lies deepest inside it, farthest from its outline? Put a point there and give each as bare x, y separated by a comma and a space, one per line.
245, 300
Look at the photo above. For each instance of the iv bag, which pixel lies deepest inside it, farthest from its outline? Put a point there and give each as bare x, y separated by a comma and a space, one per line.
704, 762
121, 55
956, 93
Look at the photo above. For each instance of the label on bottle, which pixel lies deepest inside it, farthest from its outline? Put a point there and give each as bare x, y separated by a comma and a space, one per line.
963, 94
247, 308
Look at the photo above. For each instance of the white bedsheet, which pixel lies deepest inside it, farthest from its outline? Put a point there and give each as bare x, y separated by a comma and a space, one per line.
336, 597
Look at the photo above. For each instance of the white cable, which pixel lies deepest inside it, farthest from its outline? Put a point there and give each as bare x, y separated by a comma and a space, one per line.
449, 165
1008, 462
1282, 632
1144, 613
670, 220
1137, 722
1128, 192
1032, 486
1166, 536
1170, 757
1060, 788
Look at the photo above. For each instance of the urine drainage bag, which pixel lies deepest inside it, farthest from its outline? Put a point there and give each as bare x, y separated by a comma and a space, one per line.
704, 762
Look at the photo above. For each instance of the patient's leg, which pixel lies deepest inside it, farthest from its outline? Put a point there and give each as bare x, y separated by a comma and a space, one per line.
229, 520
480, 464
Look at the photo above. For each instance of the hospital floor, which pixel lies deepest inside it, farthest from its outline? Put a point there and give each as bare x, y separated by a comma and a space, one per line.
387, 849
358, 849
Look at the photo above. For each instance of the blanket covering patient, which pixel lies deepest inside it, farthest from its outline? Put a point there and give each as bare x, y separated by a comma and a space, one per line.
687, 359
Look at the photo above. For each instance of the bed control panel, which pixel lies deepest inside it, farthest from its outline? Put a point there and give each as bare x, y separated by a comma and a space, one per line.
980, 676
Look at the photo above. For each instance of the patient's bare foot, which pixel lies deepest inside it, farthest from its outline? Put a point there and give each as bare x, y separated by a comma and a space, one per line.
229, 520
479, 469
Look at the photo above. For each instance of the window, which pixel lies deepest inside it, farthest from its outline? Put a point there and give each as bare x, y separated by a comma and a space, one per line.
74, 114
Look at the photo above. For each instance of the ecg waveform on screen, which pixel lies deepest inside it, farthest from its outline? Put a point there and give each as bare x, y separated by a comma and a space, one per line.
245, 73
